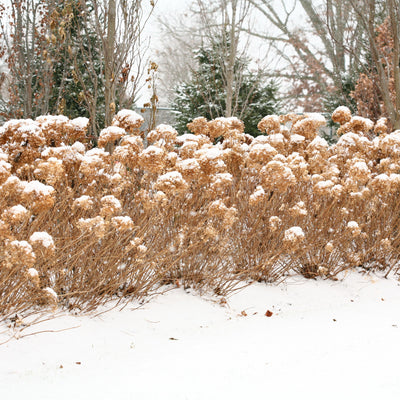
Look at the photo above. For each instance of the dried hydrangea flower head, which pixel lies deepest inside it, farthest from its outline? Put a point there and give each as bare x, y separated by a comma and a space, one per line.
359, 125
19, 252
51, 171
210, 160
37, 196
258, 196
277, 175
5, 170
260, 153
309, 126
127, 153
293, 238
33, 275
199, 126
110, 135
353, 228
225, 127
341, 115
15, 215
94, 161
42, 243
122, 223
163, 136
83, 203
189, 168
95, 225
128, 120
153, 159
381, 127
270, 124
171, 183
110, 205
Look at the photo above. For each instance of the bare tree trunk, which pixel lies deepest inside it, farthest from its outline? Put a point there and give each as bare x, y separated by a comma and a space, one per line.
230, 68
109, 83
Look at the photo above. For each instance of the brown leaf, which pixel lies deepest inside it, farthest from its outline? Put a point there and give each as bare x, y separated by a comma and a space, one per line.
269, 313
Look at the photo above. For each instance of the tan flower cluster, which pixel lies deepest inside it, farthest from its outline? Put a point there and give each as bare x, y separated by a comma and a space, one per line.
122, 223
15, 215
225, 127
110, 135
353, 228
59, 129
199, 126
163, 136
19, 252
128, 120
341, 115
228, 215
293, 237
37, 196
258, 197
277, 175
5, 170
270, 124
128, 151
358, 125
381, 127
42, 243
308, 126
110, 205
298, 210
95, 225
153, 159
93, 162
52, 171
260, 153
171, 183
83, 202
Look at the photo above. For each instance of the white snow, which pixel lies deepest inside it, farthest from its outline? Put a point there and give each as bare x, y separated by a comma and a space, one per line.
295, 138
352, 225
325, 339
43, 238
80, 123
37, 188
294, 233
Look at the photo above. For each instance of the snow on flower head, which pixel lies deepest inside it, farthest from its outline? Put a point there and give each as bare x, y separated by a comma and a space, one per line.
110, 205
122, 223
293, 237
110, 135
42, 238
270, 124
20, 252
354, 228
128, 120
171, 183
51, 295
341, 115
15, 214
83, 202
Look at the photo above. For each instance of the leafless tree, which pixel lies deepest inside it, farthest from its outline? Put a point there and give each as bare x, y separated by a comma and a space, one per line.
316, 56
380, 20
119, 24
24, 31
220, 24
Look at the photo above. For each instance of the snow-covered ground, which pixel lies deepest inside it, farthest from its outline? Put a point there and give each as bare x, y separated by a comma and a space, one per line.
324, 340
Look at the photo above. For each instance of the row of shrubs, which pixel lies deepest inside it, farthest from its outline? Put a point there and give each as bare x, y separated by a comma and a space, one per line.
81, 225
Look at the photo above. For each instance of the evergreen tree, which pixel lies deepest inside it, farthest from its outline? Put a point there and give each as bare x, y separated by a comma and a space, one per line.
204, 95
74, 79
